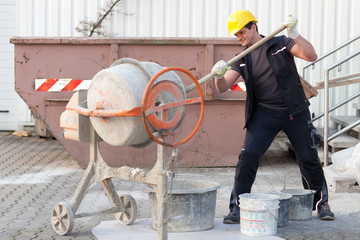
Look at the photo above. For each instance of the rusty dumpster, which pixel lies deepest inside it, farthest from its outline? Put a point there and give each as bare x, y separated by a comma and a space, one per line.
220, 136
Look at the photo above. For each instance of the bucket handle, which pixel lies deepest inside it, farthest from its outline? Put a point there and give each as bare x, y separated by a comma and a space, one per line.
276, 219
288, 209
302, 176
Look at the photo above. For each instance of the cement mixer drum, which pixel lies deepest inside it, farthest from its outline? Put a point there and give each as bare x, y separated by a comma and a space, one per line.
121, 87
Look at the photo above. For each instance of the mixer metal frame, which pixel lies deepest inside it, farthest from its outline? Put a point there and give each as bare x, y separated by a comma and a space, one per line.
123, 206
98, 171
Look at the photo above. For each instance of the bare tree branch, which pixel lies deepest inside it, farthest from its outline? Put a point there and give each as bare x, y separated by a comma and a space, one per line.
88, 28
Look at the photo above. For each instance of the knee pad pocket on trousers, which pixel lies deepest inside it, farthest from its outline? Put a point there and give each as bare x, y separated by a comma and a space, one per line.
315, 138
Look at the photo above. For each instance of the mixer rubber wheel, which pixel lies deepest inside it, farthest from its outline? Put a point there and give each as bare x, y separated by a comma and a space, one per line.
130, 214
150, 108
62, 218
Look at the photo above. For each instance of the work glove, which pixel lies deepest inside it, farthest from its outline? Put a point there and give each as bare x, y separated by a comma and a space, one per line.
220, 69
290, 24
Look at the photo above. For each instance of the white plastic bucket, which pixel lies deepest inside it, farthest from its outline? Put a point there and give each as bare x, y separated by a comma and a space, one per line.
258, 214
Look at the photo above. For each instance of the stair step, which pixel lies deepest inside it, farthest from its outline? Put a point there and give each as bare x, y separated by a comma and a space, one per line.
346, 121
339, 181
321, 133
356, 106
342, 141
320, 151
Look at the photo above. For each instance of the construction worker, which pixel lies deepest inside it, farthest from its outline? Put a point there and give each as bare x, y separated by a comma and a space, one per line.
275, 102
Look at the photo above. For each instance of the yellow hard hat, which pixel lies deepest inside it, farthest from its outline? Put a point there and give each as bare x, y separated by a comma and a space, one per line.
238, 19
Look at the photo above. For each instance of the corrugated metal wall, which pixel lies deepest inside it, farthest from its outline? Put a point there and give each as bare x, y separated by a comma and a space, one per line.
13, 110
7, 98
325, 23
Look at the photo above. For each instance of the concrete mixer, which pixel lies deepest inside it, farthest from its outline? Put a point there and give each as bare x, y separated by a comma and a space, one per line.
131, 103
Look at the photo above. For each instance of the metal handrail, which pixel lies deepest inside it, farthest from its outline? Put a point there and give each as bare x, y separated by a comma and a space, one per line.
329, 53
345, 129
337, 106
326, 101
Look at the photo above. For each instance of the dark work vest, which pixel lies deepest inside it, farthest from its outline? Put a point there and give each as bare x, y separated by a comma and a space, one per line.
283, 64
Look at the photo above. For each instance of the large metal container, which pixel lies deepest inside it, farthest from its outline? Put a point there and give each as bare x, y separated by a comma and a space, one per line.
121, 87
83, 58
191, 205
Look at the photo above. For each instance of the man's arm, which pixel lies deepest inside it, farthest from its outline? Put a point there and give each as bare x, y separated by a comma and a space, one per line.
223, 84
303, 49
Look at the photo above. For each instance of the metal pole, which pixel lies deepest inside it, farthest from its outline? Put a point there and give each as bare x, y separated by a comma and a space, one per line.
236, 58
326, 116
162, 189
162, 196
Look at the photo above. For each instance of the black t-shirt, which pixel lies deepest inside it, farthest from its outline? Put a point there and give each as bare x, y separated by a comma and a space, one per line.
266, 89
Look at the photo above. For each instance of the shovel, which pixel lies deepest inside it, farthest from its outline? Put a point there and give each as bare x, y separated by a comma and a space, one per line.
236, 58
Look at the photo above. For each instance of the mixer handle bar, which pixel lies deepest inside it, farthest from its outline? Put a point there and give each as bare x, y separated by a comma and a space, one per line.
135, 112
236, 58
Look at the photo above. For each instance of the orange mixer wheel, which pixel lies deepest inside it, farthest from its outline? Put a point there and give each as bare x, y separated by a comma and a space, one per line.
150, 108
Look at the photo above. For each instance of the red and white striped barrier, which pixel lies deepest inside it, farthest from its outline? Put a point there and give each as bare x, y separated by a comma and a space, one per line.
68, 84
60, 84
240, 86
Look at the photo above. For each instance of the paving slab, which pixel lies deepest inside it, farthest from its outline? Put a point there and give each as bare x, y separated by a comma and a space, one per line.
110, 230
37, 173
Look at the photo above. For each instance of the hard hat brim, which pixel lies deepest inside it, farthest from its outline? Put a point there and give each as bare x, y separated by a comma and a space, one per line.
234, 31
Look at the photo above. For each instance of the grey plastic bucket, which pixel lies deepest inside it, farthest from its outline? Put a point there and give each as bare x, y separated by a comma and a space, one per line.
301, 203
191, 205
284, 208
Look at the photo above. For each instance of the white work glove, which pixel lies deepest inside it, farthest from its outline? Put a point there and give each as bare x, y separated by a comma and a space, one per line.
220, 69
291, 23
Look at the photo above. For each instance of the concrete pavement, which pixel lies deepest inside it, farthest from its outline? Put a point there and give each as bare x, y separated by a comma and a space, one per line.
37, 173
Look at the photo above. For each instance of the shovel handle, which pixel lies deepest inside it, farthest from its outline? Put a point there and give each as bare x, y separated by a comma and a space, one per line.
236, 58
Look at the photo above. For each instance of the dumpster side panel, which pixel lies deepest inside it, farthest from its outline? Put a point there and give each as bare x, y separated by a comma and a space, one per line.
36, 61
220, 136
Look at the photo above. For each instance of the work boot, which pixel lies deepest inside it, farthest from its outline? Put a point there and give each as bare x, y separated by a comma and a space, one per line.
232, 218
324, 212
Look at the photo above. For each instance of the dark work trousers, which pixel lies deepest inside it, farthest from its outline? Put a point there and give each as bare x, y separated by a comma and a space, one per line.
261, 131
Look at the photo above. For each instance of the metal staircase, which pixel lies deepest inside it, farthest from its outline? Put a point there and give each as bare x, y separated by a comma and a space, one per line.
338, 102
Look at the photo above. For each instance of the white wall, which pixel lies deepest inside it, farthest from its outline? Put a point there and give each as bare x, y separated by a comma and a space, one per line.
13, 111
325, 23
